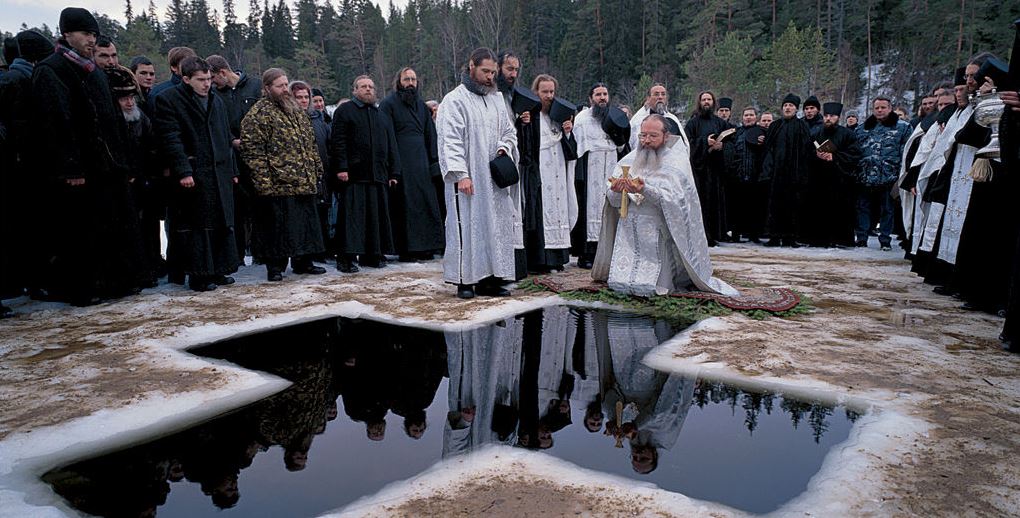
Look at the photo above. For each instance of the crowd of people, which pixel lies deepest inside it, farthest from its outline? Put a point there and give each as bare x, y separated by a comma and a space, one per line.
500, 179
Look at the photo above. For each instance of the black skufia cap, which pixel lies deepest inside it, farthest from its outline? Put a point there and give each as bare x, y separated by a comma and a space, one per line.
961, 78
725, 102
791, 98
617, 126
832, 109
317, 93
813, 101
752, 133
77, 19
34, 47
524, 100
562, 110
504, 171
995, 69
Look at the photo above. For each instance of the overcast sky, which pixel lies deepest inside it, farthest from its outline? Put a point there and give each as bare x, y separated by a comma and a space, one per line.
37, 12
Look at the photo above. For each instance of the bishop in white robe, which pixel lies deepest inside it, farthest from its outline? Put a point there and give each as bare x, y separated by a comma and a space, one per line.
660, 246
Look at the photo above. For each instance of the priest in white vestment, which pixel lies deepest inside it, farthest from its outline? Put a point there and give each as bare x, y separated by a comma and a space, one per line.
656, 101
556, 158
660, 246
597, 156
473, 128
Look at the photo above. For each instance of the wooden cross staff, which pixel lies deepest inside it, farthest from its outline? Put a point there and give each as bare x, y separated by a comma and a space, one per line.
619, 404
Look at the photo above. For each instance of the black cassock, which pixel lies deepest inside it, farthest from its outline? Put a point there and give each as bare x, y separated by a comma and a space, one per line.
709, 173
788, 152
746, 194
579, 244
90, 232
362, 144
539, 258
1009, 139
830, 198
195, 137
414, 204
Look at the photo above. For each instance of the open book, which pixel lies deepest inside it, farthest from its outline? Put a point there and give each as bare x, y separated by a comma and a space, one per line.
825, 147
722, 135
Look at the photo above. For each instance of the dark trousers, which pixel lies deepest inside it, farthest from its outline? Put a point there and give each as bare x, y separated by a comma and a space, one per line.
867, 198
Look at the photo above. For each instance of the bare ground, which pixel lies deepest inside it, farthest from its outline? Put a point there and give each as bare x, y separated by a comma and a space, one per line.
878, 334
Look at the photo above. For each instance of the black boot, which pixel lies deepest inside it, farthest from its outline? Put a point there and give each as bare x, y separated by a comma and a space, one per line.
304, 266
200, 283
222, 280
345, 264
6, 312
465, 291
774, 242
273, 274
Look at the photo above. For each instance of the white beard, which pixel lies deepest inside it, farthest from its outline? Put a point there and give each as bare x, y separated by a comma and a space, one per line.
134, 115
647, 160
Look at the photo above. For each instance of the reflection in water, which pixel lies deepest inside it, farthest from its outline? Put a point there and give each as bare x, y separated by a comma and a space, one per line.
563, 380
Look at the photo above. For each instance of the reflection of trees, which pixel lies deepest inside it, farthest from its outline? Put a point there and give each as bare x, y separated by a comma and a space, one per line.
754, 403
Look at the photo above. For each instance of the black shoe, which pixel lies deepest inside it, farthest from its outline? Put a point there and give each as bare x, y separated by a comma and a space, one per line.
861, 244
274, 275
222, 280
493, 290
175, 278
754, 239
85, 300
792, 243
201, 284
712, 243
406, 258
465, 291
587, 264
6, 312
943, 290
311, 269
774, 242
347, 266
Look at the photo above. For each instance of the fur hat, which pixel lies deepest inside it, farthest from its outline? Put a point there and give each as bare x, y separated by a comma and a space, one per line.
122, 82
34, 47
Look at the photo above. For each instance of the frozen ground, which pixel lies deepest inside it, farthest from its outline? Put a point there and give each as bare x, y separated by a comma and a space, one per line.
941, 439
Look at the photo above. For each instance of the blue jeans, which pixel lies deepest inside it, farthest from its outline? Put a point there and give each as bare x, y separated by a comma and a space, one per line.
880, 197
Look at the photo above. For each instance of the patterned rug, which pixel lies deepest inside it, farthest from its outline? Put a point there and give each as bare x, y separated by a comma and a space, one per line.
775, 300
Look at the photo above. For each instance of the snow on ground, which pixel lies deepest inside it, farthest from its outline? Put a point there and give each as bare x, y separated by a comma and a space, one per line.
940, 438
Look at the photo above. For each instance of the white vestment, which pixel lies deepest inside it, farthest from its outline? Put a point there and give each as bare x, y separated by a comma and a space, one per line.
956, 206
931, 214
660, 247
906, 197
639, 117
559, 199
481, 229
601, 163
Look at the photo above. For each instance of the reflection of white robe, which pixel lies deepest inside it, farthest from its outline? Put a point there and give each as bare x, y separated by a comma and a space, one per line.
480, 228
484, 366
906, 197
660, 247
662, 426
639, 117
601, 162
558, 334
630, 381
559, 199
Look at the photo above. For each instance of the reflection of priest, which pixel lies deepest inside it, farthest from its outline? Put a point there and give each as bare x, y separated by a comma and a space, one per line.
483, 364
660, 246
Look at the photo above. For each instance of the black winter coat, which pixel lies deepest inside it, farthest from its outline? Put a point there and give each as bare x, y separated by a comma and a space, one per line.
197, 143
240, 99
362, 143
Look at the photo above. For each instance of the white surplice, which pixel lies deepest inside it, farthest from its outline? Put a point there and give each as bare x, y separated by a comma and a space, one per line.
601, 162
926, 232
639, 117
559, 198
481, 229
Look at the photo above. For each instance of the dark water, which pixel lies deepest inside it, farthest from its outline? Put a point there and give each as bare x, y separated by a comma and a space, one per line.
373, 404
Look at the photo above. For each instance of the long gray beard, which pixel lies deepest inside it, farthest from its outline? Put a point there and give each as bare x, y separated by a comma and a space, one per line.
599, 112
647, 160
134, 115
659, 108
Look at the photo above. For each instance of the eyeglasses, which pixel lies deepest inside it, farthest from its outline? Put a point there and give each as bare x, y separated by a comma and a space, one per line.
646, 136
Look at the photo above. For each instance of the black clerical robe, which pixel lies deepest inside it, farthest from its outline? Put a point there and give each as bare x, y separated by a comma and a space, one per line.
829, 205
745, 193
788, 152
709, 173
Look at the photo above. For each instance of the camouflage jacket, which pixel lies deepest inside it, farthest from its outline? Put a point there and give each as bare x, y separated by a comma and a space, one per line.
280, 151
882, 144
